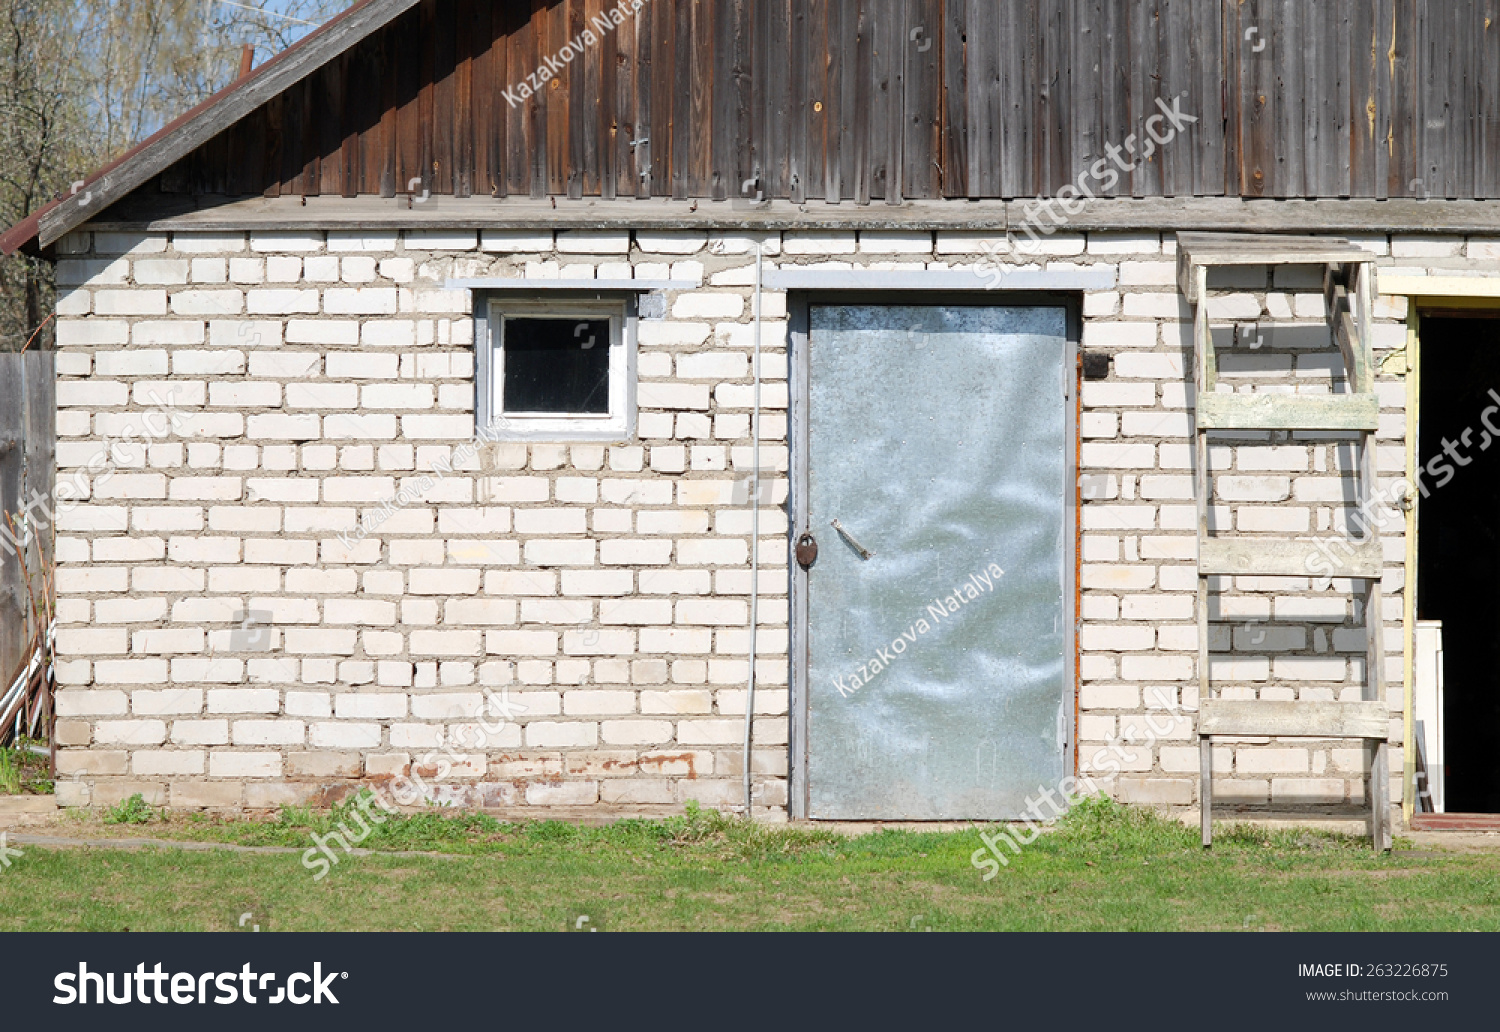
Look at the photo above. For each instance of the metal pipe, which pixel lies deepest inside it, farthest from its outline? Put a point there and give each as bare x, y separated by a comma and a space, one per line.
754, 531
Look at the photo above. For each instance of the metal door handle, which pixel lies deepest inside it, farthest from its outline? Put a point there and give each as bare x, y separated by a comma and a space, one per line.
864, 553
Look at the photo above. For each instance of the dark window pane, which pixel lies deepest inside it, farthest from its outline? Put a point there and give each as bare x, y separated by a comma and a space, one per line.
557, 365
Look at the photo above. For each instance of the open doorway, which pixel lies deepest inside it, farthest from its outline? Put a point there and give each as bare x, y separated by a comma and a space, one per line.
1458, 561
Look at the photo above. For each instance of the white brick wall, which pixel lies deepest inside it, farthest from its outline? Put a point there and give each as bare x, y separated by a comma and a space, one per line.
316, 375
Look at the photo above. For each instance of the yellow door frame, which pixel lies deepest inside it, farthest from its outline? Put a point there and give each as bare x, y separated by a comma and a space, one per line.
1455, 293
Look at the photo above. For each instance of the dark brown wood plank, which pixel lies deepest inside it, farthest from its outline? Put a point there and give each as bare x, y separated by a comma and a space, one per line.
1487, 132
1145, 57
982, 74
1287, 39
407, 142
480, 83
612, 74
450, 118
421, 180
1404, 174
274, 145
1176, 41
207, 170
731, 47
954, 114
1060, 82
1084, 61
617, 108
642, 88
1206, 100
798, 102
1231, 93
1434, 163
775, 163
1012, 102
1257, 97
843, 93
1474, 95
922, 100
701, 101
1468, 32
1363, 108
293, 114
663, 150
328, 91
1114, 85
557, 124
583, 102
1316, 84
308, 171
682, 99
1341, 21
816, 59
895, 39
525, 169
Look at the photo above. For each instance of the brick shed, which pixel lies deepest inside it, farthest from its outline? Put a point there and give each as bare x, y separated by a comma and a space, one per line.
409, 393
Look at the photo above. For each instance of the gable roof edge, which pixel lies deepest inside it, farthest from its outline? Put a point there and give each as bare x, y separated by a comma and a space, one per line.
185, 133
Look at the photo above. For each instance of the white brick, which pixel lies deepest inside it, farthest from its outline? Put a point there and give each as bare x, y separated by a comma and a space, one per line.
208, 243
516, 241
893, 242
704, 305
286, 242
208, 302
670, 242
282, 302
440, 240
130, 302
244, 764
268, 732
244, 333
593, 242
337, 332
815, 243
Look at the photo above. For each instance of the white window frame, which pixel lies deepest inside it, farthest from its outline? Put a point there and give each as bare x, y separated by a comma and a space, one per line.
616, 425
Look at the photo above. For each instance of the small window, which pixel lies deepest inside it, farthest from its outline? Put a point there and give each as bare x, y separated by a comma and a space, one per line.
557, 371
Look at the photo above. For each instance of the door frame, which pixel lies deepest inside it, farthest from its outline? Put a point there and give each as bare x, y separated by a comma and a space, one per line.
799, 371
1434, 297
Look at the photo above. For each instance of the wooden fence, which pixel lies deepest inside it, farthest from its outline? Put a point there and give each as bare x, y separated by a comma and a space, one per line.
28, 446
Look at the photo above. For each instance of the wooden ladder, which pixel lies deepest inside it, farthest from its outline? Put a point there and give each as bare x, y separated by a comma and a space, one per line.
1347, 290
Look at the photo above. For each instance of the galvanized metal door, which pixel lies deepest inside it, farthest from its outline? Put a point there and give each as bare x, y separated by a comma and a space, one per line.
936, 621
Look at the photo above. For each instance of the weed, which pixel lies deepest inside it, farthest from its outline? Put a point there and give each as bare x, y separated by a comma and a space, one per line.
134, 810
10, 773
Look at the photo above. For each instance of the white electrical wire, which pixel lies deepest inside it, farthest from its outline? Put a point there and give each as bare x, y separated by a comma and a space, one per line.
754, 532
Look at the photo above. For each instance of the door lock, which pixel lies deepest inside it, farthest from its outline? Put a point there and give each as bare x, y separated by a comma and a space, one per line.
807, 550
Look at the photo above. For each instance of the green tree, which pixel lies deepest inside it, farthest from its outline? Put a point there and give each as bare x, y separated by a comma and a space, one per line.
82, 81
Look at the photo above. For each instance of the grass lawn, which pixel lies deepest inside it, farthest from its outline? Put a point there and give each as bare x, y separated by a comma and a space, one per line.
1106, 867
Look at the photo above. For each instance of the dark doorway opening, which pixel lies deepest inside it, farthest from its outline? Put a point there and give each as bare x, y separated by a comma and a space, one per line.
1458, 558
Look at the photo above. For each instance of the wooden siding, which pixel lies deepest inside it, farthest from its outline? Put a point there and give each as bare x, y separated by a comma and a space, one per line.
886, 100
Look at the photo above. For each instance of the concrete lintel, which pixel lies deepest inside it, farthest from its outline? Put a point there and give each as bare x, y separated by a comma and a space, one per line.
791, 278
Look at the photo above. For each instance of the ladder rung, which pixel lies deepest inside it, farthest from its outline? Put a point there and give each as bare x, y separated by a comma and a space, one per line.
1288, 412
1289, 557
1294, 719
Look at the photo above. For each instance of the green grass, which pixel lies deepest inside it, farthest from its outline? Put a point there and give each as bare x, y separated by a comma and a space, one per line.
23, 771
1107, 867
